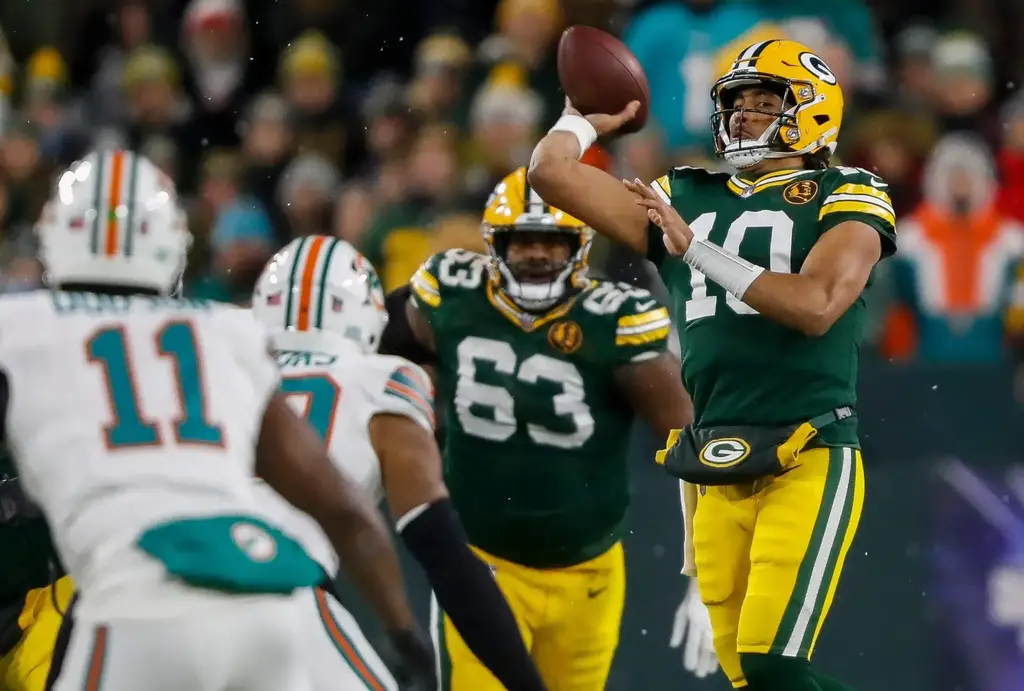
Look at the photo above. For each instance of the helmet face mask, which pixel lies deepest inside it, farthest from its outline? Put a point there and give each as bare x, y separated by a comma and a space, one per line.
535, 267
538, 253
806, 120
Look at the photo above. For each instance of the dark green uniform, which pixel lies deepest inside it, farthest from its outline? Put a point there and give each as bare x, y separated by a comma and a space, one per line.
742, 368
538, 430
26, 553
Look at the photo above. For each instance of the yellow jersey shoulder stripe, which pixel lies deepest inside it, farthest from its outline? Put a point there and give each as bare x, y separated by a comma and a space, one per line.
425, 288
859, 198
867, 190
634, 320
654, 336
663, 188
858, 207
647, 327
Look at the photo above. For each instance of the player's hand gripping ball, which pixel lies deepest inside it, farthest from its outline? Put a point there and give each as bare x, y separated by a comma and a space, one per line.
600, 76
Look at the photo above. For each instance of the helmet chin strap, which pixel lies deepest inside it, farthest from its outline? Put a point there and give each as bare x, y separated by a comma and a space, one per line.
746, 153
535, 296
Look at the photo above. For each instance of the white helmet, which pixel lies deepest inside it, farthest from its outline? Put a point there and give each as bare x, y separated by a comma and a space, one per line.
114, 219
318, 292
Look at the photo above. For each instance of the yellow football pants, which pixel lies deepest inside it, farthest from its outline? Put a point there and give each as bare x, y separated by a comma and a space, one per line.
569, 619
769, 555
25, 668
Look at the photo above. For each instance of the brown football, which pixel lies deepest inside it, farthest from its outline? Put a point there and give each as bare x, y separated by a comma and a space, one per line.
600, 74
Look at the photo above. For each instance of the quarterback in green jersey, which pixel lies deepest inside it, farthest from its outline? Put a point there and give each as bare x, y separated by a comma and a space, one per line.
767, 270
542, 371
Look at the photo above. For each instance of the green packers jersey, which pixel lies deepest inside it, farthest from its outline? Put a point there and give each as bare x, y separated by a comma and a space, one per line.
742, 368
538, 431
26, 549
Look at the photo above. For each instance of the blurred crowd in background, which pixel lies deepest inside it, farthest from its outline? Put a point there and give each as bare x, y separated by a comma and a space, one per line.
388, 122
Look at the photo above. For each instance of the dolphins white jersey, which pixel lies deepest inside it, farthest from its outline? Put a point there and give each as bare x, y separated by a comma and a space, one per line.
123, 412
339, 393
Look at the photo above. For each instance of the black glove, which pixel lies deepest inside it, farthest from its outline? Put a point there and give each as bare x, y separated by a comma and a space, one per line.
414, 669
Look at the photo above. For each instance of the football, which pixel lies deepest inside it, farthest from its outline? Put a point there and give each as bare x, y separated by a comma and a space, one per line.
600, 74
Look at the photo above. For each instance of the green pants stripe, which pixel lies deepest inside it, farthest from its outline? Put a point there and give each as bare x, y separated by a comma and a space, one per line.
817, 569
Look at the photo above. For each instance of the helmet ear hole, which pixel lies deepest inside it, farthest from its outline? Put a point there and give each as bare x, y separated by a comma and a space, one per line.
821, 119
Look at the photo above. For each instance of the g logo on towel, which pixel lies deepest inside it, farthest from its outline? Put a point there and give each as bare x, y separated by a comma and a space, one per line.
254, 541
723, 453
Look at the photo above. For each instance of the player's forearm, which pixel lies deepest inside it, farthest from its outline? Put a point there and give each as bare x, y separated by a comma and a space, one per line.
800, 301
368, 557
586, 192
795, 300
468, 594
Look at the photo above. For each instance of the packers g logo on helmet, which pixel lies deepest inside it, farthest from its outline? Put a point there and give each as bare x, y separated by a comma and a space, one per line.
723, 453
812, 104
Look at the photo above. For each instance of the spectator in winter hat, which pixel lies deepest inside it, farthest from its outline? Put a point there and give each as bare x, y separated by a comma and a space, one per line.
957, 257
389, 122
440, 64
306, 193
268, 146
45, 104
504, 122
310, 74
158, 108
218, 73
914, 74
963, 86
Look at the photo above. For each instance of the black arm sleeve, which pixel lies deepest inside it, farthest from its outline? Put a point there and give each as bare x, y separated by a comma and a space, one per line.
467, 592
656, 251
398, 338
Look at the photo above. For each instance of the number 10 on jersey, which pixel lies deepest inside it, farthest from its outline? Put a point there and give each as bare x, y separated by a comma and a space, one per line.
176, 340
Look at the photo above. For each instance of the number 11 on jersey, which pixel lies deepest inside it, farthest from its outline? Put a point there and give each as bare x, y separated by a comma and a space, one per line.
176, 340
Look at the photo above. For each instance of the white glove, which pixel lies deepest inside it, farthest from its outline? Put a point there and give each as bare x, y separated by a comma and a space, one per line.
699, 653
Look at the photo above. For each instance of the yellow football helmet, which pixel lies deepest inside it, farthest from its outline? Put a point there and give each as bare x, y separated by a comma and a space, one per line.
514, 207
812, 104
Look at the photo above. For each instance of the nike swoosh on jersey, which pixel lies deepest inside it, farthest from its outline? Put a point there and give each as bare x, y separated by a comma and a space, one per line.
644, 306
878, 184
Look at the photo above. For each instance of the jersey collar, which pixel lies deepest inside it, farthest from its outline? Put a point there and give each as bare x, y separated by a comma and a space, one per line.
528, 321
743, 188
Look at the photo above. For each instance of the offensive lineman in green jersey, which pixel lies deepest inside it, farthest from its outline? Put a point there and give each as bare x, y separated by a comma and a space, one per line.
542, 371
767, 270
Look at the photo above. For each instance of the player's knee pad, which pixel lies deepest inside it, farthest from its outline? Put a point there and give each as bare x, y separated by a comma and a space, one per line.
770, 672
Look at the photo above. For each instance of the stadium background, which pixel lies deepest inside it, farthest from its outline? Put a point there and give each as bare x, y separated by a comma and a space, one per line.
387, 122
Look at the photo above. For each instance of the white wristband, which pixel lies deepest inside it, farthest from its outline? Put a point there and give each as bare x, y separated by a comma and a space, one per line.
728, 270
580, 127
